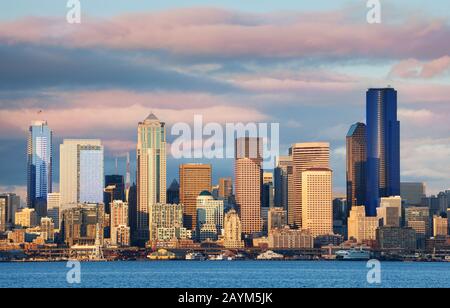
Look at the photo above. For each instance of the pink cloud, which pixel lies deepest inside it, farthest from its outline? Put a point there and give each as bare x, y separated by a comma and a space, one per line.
207, 31
413, 68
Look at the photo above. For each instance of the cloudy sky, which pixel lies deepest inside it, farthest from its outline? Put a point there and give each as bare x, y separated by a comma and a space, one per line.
303, 64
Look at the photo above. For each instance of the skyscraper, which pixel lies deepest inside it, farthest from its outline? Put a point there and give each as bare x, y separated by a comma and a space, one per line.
412, 193
281, 181
305, 156
114, 190
39, 165
151, 171
248, 177
383, 147
81, 171
12, 205
225, 188
210, 215
356, 165
194, 178
233, 231
317, 201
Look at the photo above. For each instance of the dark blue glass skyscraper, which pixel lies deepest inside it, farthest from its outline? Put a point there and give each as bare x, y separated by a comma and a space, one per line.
383, 147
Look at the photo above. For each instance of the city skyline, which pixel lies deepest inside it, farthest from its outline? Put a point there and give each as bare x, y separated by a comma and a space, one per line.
314, 92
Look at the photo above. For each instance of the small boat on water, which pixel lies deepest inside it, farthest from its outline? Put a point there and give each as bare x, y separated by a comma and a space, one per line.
353, 255
270, 255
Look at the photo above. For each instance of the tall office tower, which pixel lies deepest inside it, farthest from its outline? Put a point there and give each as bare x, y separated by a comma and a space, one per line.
39, 165
305, 156
280, 179
120, 230
233, 231
81, 171
225, 188
383, 147
114, 190
317, 201
3, 211
268, 191
248, 185
361, 227
12, 202
128, 176
194, 178
419, 219
277, 219
443, 202
173, 193
390, 211
132, 212
53, 208
356, 165
210, 214
440, 226
412, 193
151, 171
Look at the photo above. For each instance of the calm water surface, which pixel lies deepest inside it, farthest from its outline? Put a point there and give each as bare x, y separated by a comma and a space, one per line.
236, 274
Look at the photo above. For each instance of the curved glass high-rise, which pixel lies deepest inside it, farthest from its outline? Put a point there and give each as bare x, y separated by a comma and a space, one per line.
383, 147
39, 164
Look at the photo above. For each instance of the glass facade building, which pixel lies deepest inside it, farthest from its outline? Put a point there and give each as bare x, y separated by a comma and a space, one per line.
383, 147
91, 174
39, 163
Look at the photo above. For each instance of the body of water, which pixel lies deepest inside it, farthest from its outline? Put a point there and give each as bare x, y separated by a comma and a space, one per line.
235, 274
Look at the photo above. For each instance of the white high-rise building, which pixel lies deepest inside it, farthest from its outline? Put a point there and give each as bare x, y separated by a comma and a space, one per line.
210, 215
151, 171
81, 171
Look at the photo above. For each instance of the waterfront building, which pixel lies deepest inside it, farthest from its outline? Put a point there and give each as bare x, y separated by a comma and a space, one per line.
390, 211
12, 205
383, 147
356, 142
290, 239
80, 223
282, 173
317, 201
194, 178
210, 215
390, 237
120, 230
26, 218
277, 218
248, 185
166, 222
440, 226
361, 227
304, 157
81, 171
151, 171
39, 166
327, 240
47, 229
412, 193
233, 231
419, 219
